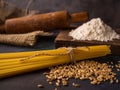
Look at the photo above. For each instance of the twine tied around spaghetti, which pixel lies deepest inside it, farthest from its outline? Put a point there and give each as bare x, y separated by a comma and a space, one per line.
70, 52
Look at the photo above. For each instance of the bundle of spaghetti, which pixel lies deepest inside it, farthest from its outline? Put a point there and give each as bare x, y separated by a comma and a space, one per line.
22, 62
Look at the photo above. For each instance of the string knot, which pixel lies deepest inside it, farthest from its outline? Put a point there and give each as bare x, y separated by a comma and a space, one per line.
71, 53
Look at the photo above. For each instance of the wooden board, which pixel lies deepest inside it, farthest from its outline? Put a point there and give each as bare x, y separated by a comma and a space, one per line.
63, 40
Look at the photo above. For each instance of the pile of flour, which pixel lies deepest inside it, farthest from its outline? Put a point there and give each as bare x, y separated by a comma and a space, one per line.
95, 29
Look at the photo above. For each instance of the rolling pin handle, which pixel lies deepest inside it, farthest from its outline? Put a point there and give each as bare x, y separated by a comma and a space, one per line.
79, 17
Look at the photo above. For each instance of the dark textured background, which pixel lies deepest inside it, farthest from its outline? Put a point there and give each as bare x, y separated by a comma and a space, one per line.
108, 10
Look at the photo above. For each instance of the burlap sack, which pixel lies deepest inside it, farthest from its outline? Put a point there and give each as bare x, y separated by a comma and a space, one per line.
9, 10
28, 39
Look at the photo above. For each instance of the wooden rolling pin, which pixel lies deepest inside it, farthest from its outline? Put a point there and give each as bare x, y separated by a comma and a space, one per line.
48, 21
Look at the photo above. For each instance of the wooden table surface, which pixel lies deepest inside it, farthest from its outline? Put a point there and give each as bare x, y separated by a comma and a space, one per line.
29, 81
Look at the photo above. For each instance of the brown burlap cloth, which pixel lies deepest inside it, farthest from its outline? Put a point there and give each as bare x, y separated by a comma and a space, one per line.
10, 10
27, 39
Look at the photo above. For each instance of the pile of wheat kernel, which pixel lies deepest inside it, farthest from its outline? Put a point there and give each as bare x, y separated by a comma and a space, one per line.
92, 70
118, 66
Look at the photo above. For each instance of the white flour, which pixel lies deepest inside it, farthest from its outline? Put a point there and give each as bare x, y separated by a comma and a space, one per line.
95, 29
